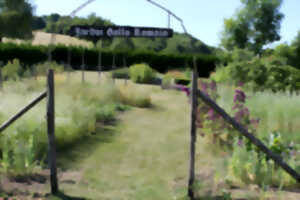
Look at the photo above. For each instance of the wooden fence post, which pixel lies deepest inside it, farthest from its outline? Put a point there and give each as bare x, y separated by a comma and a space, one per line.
99, 64
69, 63
114, 66
1, 84
125, 65
51, 132
193, 133
82, 67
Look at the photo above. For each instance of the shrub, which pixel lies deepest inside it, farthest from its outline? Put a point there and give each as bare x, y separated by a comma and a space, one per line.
221, 75
142, 73
252, 166
182, 81
167, 81
12, 70
259, 74
135, 96
120, 73
42, 68
105, 114
30, 55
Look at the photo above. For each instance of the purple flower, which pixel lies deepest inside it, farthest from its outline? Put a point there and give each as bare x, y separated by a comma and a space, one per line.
237, 106
213, 85
239, 96
183, 88
240, 142
204, 86
211, 114
245, 112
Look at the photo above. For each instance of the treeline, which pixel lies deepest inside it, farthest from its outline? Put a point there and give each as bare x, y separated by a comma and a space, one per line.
30, 55
180, 43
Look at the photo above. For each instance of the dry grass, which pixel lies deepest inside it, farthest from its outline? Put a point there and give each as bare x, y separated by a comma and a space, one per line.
42, 38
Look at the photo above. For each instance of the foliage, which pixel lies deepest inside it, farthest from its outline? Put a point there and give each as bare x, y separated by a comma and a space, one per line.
61, 24
210, 122
167, 81
251, 166
120, 73
42, 68
16, 13
248, 164
135, 96
296, 51
12, 70
256, 24
265, 73
30, 55
142, 73
38, 23
179, 43
24, 145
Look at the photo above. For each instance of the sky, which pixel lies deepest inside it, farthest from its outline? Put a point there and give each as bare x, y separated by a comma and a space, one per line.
203, 19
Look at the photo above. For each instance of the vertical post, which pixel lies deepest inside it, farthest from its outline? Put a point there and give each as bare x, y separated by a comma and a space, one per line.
169, 20
193, 132
114, 65
114, 62
34, 70
51, 132
1, 79
69, 63
99, 64
125, 65
82, 67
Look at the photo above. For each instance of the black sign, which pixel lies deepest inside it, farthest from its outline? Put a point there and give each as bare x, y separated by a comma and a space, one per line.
119, 31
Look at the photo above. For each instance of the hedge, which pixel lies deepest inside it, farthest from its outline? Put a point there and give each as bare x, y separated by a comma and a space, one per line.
30, 55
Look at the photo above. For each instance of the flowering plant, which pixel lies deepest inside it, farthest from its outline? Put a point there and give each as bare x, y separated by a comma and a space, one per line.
210, 122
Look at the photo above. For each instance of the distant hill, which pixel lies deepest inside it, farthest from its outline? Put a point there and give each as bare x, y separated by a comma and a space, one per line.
179, 43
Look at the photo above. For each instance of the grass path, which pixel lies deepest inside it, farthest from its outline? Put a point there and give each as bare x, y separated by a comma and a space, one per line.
146, 157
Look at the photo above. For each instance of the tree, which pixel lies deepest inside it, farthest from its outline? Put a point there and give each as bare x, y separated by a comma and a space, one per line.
295, 46
38, 23
256, 24
16, 19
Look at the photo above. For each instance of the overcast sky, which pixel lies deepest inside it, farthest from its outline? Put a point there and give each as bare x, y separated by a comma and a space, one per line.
202, 18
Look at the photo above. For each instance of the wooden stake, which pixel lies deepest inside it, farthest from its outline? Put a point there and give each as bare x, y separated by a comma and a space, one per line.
69, 63
82, 67
114, 62
1, 84
193, 133
51, 132
125, 65
99, 64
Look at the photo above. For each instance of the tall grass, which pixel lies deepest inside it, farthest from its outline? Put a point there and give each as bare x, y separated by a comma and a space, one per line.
278, 112
78, 107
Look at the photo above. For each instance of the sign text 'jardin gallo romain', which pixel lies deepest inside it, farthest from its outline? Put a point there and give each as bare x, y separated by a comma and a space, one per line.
119, 31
